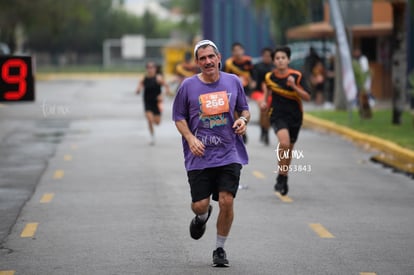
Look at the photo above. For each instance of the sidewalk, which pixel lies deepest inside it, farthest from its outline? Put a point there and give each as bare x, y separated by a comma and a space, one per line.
388, 153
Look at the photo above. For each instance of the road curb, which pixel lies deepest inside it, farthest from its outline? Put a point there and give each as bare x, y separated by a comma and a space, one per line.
390, 153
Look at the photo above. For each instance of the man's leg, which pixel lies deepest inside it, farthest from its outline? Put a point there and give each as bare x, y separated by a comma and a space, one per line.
226, 214
200, 207
224, 222
200, 195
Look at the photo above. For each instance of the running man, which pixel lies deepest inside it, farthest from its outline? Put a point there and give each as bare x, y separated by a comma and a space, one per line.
286, 86
259, 72
214, 151
241, 65
152, 84
186, 68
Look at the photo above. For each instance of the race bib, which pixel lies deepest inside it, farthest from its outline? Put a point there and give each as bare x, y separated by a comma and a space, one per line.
214, 103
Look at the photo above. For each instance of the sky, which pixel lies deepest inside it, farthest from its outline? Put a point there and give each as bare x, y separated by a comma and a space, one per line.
139, 6
136, 1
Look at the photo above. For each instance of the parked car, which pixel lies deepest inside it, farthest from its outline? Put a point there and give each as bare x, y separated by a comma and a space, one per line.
4, 49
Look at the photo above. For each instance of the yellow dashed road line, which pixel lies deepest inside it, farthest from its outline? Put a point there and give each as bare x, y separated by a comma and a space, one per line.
283, 198
367, 273
67, 157
46, 198
258, 174
58, 174
7, 272
321, 231
29, 230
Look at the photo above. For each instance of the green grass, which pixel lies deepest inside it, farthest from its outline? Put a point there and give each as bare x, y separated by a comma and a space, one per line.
379, 125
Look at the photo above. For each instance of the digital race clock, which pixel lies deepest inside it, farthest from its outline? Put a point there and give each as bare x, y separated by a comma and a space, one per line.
16, 78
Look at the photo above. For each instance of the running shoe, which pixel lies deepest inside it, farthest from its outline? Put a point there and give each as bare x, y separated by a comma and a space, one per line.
281, 185
198, 227
220, 258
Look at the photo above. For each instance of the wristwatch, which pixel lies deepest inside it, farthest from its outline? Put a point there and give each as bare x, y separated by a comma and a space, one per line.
244, 119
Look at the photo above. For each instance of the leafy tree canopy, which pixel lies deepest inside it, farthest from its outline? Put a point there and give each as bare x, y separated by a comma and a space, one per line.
80, 25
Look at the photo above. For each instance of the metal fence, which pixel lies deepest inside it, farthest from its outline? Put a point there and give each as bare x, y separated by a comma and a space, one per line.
111, 56
112, 53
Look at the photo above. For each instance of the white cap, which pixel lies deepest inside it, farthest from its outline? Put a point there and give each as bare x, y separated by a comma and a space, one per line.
204, 43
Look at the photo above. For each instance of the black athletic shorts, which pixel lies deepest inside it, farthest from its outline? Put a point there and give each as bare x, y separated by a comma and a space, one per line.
152, 106
211, 181
279, 124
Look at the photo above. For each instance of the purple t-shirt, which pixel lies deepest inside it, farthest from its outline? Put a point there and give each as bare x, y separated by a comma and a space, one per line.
209, 112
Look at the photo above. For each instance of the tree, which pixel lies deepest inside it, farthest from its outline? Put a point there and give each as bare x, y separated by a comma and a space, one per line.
188, 7
399, 59
149, 22
50, 25
12, 15
285, 14
57, 26
80, 26
190, 25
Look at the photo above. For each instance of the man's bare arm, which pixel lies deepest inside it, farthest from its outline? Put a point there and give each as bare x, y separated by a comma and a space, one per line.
196, 146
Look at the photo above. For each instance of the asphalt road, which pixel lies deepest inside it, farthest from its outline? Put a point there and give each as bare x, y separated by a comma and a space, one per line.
82, 192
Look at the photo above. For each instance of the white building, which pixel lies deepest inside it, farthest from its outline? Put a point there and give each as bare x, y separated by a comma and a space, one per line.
139, 7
